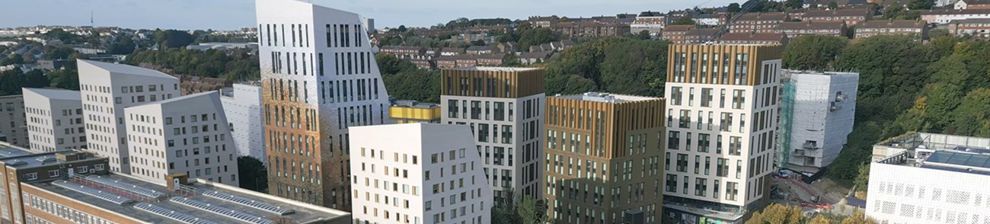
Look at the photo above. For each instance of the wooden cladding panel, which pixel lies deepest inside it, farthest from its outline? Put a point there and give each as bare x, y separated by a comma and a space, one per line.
497, 83
580, 116
757, 54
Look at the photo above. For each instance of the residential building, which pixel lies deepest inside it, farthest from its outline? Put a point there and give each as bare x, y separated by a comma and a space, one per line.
817, 111
617, 140
590, 28
529, 58
929, 178
13, 123
721, 147
871, 28
430, 173
21, 167
946, 16
55, 119
822, 28
188, 134
317, 81
411, 111
480, 50
504, 108
106, 89
651, 22
489, 59
765, 22
450, 51
676, 33
403, 52
709, 20
447, 62
242, 106
422, 63
700, 36
98, 197
753, 38
977, 28
851, 16
972, 4
825, 3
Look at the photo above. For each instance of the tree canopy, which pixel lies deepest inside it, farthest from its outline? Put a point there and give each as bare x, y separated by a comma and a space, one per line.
813, 52
616, 65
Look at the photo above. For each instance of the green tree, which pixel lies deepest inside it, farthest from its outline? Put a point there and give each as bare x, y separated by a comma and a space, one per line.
833, 5
863, 178
254, 175
794, 4
858, 217
683, 21
820, 219
535, 36
616, 65
973, 114
921, 4
529, 212
64, 79
734, 7
644, 35
173, 38
813, 52
777, 214
405, 81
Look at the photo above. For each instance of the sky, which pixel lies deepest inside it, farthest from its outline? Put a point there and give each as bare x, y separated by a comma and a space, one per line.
235, 14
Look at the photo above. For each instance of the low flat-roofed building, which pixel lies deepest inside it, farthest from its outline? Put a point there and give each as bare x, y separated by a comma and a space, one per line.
930, 178
118, 198
892, 27
13, 119
411, 111
651, 22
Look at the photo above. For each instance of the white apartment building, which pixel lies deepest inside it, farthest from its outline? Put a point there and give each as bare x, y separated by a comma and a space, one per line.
242, 105
13, 125
106, 89
418, 173
504, 108
817, 113
187, 134
55, 119
930, 178
319, 77
721, 122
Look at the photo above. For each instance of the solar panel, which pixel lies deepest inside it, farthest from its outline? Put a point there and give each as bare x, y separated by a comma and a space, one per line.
171, 214
143, 191
106, 196
235, 214
248, 202
958, 158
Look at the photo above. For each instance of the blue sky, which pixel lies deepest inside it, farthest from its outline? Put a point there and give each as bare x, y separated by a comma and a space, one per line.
232, 14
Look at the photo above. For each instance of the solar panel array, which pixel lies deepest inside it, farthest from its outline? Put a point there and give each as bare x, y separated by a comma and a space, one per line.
959, 158
106, 196
171, 214
248, 202
143, 191
221, 210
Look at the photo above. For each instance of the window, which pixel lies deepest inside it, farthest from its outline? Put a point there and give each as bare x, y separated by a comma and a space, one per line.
675, 95
673, 140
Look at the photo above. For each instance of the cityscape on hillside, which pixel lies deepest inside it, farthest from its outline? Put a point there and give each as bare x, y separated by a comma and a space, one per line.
755, 112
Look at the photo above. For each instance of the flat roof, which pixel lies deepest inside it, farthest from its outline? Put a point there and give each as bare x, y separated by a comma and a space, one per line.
497, 69
7, 151
127, 69
606, 97
184, 202
60, 94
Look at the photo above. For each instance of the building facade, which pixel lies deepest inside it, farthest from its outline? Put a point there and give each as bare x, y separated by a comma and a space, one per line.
106, 89
824, 28
721, 122
13, 122
504, 108
930, 178
817, 113
608, 149
319, 77
946, 16
976, 28
187, 134
242, 105
918, 29
410, 111
20, 170
851, 16
424, 173
757, 22
55, 120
